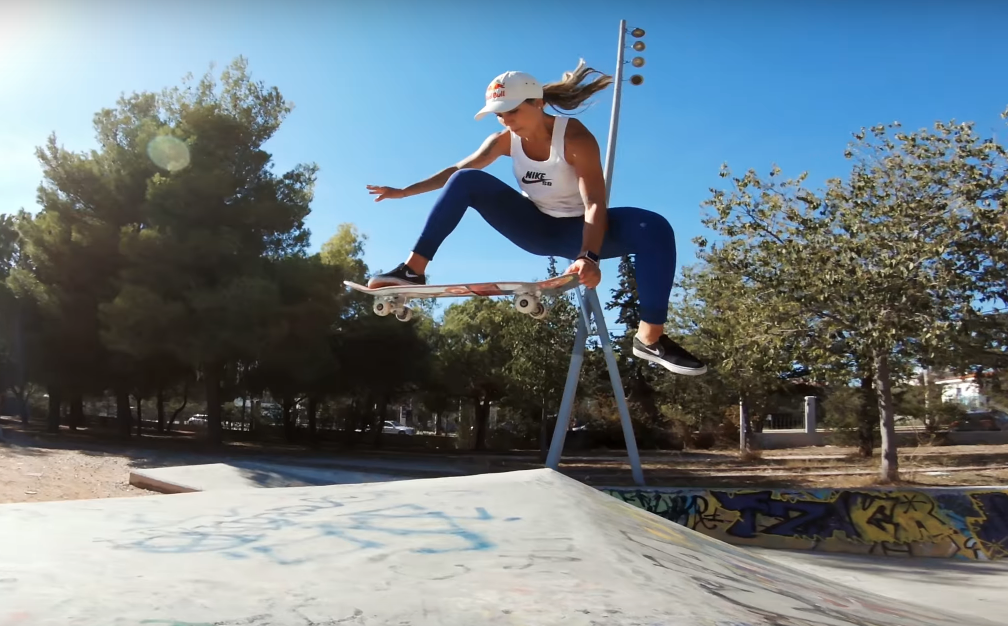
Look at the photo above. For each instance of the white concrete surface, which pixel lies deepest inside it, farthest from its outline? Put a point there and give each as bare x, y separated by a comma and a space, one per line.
530, 547
975, 588
244, 475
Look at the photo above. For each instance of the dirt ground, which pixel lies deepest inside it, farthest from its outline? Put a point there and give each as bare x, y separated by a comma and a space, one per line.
26, 475
37, 467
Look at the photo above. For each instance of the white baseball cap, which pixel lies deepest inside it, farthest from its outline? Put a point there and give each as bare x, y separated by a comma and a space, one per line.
509, 90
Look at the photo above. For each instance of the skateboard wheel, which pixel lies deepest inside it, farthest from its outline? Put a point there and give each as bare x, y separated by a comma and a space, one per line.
382, 308
539, 312
526, 304
404, 315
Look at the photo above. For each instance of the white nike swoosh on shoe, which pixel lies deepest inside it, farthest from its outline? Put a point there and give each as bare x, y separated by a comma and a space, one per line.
676, 369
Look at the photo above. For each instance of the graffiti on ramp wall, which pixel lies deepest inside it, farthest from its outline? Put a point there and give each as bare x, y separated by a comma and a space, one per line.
961, 523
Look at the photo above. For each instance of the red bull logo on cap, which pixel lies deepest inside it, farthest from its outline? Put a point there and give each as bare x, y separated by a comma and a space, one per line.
495, 90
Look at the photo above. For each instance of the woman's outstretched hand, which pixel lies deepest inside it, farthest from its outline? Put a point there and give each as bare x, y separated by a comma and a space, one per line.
385, 193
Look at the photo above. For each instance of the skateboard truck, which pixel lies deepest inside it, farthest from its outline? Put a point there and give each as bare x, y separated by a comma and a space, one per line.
530, 305
385, 305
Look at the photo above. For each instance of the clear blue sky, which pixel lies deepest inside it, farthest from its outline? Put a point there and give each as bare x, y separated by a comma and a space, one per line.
385, 92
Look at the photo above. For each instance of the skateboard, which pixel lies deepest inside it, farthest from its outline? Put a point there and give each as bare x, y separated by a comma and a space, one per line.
527, 295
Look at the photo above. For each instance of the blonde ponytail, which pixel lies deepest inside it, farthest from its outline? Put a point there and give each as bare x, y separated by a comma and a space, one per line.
568, 94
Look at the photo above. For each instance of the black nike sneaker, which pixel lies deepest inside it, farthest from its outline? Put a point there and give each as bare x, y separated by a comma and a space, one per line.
669, 355
401, 275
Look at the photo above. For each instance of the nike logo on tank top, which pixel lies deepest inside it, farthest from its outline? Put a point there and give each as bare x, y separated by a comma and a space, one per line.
551, 184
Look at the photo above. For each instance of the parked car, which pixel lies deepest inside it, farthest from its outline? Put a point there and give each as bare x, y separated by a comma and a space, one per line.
392, 428
981, 420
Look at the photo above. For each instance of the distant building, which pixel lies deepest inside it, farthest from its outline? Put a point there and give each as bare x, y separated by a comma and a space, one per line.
964, 390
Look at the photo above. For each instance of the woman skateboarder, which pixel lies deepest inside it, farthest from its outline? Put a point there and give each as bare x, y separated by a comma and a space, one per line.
561, 208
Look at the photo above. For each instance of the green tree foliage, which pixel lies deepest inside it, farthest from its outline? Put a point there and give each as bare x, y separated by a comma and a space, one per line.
639, 377
476, 354
720, 315
17, 313
299, 357
876, 259
88, 199
10, 322
204, 267
381, 360
624, 296
540, 355
9, 245
345, 251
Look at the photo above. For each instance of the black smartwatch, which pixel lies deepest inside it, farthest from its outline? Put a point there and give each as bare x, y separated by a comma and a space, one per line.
591, 256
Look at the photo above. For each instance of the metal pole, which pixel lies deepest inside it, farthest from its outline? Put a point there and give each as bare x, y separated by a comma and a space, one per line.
610, 157
570, 390
592, 297
590, 306
617, 386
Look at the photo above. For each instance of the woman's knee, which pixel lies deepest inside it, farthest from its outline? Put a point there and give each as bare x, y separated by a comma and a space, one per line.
470, 180
643, 229
660, 232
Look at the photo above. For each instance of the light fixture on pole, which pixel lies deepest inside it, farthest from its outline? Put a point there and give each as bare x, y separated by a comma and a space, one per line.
635, 80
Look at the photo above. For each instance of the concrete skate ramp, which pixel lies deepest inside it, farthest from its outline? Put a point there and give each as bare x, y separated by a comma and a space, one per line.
245, 474
530, 547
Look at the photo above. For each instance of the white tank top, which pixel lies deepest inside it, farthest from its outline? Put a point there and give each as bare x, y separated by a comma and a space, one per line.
551, 184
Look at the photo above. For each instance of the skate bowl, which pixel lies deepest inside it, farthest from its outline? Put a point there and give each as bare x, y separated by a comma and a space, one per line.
963, 523
527, 547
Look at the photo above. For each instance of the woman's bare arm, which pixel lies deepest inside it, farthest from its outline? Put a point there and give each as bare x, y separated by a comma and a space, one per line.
582, 152
494, 146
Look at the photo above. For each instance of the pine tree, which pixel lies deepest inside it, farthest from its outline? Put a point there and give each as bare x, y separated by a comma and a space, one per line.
624, 297
551, 269
635, 374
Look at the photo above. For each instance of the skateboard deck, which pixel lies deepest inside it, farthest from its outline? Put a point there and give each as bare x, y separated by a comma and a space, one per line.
528, 294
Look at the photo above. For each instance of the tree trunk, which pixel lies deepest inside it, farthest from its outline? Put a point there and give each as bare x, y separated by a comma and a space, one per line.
21, 390
544, 434
313, 420
883, 390
124, 416
185, 401
927, 404
745, 427
351, 417
482, 410
139, 415
288, 417
867, 419
76, 411
21, 393
54, 410
212, 378
160, 410
380, 420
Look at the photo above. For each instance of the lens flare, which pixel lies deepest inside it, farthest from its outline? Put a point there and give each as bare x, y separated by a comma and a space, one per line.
169, 153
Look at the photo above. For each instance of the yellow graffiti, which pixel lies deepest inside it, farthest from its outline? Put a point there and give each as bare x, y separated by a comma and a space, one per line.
902, 517
905, 522
993, 543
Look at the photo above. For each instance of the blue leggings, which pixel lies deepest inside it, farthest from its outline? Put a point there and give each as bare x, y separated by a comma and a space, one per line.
644, 234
